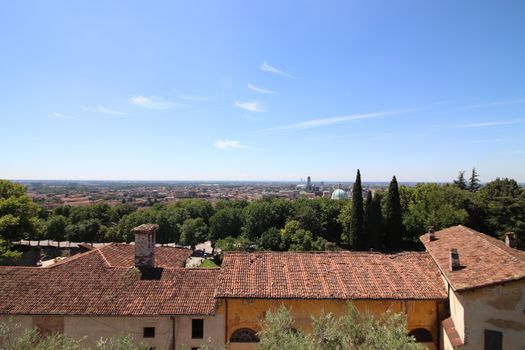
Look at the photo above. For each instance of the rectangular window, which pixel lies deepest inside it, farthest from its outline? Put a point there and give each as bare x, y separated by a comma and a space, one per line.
197, 329
194, 348
149, 332
493, 340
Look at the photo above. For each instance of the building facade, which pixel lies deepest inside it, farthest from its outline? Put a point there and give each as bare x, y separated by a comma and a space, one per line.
466, 291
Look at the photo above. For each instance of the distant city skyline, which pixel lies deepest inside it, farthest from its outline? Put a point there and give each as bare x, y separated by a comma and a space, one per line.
262, 91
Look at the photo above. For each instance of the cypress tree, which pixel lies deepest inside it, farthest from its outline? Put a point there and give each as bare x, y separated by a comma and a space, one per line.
368, 219
393, 218
474, 185
357, 232
374, 230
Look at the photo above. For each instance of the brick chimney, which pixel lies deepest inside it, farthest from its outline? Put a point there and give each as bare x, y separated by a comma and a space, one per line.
454, 259
510, 240
431, 234
145, 245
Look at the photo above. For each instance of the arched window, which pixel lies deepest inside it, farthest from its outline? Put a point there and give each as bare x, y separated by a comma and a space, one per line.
422, 335
244, 335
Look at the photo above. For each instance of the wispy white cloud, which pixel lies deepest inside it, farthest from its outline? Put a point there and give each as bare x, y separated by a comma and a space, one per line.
252, 106
61, 116
490, 140
192, 98
314, 123
260, 90
57, 115
228, 145
265, 67
102, 109
489, 124
152, 102
500, 103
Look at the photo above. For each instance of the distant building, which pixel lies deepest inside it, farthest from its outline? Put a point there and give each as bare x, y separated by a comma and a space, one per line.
339, 194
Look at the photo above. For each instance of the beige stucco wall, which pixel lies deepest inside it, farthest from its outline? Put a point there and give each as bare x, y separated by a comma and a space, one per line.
445, 342
247, 313
500, 308
24, 322
457, 312
213, 331
94, 328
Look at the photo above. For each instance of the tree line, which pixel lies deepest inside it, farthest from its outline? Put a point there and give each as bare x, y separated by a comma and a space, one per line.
382, 220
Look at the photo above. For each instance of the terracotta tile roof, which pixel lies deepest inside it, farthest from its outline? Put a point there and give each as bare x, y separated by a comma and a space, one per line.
484, 260
452, 333
122, 255
330, 275
91, 284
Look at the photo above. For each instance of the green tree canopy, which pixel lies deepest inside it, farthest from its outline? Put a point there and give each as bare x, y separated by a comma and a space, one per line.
270, 240
258, 217
436, 206
56, 228
504, 203
18, 213
193, 231
225, 222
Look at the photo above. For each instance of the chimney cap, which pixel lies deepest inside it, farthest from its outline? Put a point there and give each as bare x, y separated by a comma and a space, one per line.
431, 234
510, 240
145, 228
454, 260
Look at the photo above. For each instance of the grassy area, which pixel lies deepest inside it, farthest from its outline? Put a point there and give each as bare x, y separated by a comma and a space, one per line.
208, 263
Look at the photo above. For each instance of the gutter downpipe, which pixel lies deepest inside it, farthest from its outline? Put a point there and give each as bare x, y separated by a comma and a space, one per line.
173, 344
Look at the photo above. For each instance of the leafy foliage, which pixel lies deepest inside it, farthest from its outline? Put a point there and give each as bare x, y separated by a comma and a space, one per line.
225, 222
392, 219
18, 218
353, 330
193, 231
433, 205
31, 339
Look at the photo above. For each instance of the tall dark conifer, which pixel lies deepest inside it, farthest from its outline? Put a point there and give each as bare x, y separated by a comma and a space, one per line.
473, 184
367, 222
394, 229
373, 224
460, 182
357, 232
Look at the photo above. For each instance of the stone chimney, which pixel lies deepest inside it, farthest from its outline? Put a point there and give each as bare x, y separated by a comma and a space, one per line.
145, 245
431, 234
510, 240
454, 259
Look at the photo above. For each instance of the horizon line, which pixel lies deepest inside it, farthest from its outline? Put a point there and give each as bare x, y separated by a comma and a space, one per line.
248, 181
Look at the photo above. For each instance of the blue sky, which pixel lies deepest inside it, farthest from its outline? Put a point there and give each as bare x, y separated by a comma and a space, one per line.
262, 90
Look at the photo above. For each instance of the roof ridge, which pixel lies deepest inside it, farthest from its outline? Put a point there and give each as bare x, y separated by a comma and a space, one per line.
77, 256
487, 259
517, 254
407, 252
